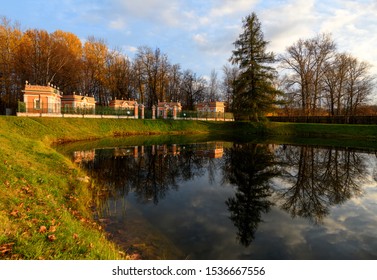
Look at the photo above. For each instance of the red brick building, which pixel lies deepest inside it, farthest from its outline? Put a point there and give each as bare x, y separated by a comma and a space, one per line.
42, 99
75, 102
213, 106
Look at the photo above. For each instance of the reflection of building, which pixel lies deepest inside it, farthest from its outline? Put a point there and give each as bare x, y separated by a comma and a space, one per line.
73, 102
213, 106
129, 151
166, 150
84, 156
210, 150
42, 99
217, 152
207, 150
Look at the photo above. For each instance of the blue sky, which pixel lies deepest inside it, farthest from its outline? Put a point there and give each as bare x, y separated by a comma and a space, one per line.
199, 34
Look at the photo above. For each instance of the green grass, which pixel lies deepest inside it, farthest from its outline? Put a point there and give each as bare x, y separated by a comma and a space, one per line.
45, 207
368, 132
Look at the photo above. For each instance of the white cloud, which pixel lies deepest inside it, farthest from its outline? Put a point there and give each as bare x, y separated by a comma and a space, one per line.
202, 32
118, 23
130, 49
352, 25
231, 7
286, 23
163, 12
200, 39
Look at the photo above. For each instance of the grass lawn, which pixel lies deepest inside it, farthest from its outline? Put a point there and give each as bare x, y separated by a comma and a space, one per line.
45, 200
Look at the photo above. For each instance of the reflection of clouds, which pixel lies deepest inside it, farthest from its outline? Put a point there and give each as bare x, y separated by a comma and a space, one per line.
196, 219
201, 221
343, 235
348, 232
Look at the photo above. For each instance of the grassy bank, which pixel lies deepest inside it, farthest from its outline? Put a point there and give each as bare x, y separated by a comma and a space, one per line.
45, 199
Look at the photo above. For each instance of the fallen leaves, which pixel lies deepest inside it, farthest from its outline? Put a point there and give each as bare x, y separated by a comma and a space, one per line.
27, 190
51, 229
51, 237
42, 229
14, 213
6, 248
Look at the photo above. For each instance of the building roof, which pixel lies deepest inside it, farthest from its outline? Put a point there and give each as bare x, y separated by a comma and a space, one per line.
46, 90
78, 98
122, 103
170, 104
211, 104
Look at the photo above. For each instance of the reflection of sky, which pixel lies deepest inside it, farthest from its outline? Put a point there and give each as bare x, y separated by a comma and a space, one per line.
196, 219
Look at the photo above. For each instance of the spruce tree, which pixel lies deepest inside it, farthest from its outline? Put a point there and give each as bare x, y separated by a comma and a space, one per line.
254, 89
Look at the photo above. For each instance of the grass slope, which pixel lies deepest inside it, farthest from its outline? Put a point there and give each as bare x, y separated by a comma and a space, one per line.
45, 199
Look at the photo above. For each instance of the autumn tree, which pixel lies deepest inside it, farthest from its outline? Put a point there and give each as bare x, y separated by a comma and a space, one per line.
95, 55
254, 90
119, 76
62, 59
68, 53
10, 83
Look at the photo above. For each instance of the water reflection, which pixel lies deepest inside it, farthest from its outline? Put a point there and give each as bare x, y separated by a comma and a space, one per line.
251, 180
315, 179
250, 167
149, 171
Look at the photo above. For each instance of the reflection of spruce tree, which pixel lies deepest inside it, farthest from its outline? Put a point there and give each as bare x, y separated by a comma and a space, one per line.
249, 167
324, 177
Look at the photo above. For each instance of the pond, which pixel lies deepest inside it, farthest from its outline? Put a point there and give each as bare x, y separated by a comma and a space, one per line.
229, 200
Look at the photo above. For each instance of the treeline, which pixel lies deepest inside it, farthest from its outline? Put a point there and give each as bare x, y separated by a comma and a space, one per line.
310, 78
91, 67
320, 80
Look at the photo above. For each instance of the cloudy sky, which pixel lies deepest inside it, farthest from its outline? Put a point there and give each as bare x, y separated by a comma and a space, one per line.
199, 34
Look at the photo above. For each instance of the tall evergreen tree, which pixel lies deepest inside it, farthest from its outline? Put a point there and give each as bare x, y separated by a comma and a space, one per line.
254, 90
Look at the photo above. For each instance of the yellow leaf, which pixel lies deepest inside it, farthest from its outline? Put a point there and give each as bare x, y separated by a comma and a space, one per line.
52, 237
42, 229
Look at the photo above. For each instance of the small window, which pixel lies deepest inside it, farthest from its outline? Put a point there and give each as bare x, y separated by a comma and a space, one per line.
37, 104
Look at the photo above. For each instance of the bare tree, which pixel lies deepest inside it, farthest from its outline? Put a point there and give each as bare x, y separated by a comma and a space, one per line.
213, 87
305, 60
153, 70
192, 89
347, 84
228, 84
359, 85
174, 83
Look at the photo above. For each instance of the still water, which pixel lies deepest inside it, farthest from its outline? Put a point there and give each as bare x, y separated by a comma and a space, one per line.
225, 200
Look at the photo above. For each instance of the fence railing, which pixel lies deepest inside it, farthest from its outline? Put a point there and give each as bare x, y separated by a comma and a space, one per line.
206, 115
51, 109
326, 119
